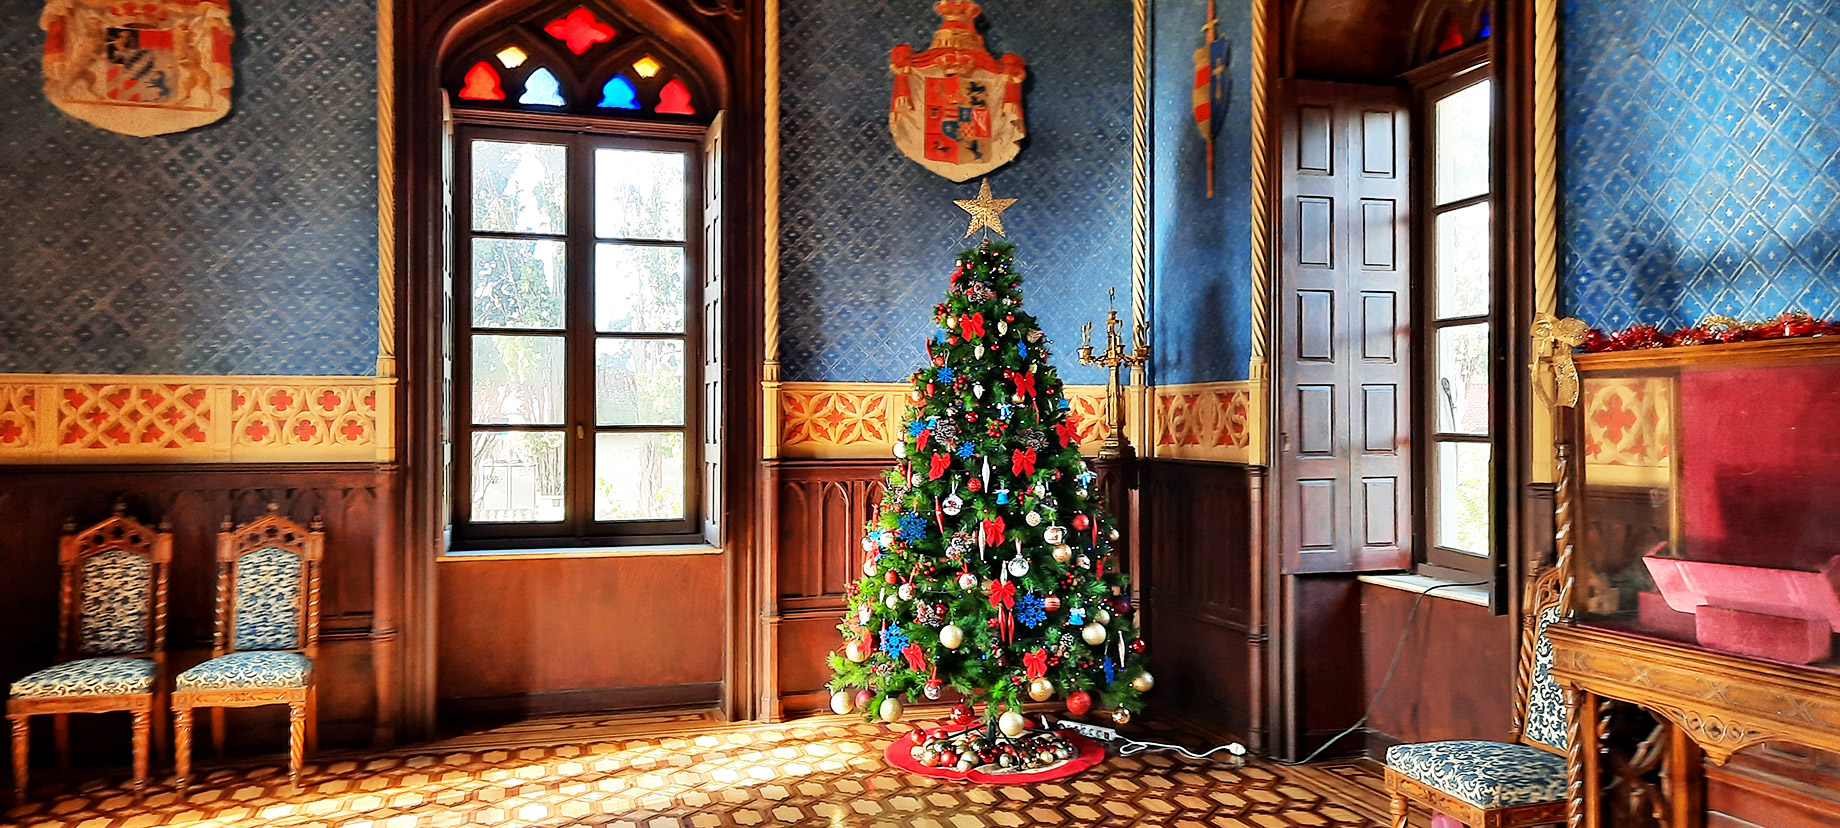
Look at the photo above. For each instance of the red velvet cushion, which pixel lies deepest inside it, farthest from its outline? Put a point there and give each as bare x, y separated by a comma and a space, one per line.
1794, 640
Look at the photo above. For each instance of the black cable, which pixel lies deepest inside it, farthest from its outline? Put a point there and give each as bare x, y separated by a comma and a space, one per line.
1405, 632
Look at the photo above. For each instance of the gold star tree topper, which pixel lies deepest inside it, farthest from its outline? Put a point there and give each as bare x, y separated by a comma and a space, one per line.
985, 211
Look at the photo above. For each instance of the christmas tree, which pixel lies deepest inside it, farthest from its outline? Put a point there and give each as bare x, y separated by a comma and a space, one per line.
990, 568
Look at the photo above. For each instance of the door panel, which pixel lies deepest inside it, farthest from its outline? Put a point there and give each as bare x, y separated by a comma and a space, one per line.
1344, 328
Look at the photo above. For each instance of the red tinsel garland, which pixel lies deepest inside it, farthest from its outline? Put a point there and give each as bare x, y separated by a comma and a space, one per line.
1715, 330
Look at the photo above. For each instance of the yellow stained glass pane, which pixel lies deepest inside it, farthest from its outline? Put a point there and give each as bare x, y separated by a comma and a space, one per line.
646, 66
512, 57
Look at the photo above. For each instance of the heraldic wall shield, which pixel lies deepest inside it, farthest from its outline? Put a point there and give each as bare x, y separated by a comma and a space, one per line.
139, 68
957, 110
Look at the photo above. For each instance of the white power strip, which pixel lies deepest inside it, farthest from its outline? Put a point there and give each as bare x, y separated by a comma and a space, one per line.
1090, 731
1236, 752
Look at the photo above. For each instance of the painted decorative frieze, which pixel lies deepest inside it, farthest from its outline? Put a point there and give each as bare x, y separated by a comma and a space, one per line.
1628, 431
1221, 421
860, 419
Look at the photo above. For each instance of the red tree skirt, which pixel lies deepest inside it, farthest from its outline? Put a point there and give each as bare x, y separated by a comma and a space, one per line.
900, 755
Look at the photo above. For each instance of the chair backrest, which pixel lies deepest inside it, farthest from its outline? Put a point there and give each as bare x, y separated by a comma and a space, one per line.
112, 600
268, 585
1539, 710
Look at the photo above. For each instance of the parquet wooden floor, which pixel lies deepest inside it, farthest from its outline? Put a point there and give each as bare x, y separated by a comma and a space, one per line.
693, 772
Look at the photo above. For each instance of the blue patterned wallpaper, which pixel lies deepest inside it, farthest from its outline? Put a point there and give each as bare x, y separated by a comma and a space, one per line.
245, 247
868, 237
1701, 160
1201, 255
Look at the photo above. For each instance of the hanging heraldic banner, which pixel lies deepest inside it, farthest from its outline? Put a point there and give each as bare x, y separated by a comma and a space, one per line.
956, 110
138, 68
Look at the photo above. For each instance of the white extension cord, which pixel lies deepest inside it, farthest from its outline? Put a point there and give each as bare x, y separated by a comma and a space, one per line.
1132, 747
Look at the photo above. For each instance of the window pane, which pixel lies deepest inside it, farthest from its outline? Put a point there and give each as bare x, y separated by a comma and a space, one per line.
639, 476
639, 194
1462, 393
520, 188
639, 382
1463, 262
638, 289
518, 380
1463, 143
517, 476
518, 283
1462, 482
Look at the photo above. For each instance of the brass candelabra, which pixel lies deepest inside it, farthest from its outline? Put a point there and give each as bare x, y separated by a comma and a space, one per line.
1114, 358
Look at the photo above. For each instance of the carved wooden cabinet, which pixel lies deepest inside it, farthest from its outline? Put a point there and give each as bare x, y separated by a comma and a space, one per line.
1705, 586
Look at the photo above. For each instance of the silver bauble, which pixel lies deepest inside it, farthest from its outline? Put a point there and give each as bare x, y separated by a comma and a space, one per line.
1093, 634
953, 505
1018, 566
868, 544
950, 636
1054, 534
1143, 682
967, 581
900, 449
869, 568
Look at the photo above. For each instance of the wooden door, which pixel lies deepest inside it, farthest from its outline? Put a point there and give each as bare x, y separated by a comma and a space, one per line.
1344, 328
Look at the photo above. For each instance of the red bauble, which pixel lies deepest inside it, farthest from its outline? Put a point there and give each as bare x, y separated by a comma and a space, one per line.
1051, 603
1080, 522
892, 577
1079, 703
864, 697
1137, 645
961, 714
973, 485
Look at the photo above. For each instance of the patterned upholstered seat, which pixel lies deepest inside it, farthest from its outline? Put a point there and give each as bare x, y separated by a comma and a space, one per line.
88, 677
1499, 783
1484, 774
252, 670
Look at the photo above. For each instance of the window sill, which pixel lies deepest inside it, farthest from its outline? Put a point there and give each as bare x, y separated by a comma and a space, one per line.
644, 551
1422, 584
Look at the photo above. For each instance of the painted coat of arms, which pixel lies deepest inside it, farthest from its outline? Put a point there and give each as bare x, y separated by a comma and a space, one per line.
138, 68
956, 109
1212, 85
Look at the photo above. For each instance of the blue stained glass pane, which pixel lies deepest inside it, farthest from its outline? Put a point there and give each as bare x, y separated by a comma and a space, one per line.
1485, 26
619, 94
542, 89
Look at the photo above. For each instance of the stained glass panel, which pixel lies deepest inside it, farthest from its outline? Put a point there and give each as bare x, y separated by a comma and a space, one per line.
619, 94
646, 66
674, 99
512, 57
482, 84
542, 89
579, 30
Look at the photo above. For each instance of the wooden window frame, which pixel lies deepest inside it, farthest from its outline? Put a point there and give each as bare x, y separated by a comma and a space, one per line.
582, 135
1430, 83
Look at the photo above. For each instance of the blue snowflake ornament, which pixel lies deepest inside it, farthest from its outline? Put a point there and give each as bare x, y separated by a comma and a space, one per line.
1022, 350
945, 374
914, 428
965, 449
1031, 611
1111, 670
894, 641
913, 526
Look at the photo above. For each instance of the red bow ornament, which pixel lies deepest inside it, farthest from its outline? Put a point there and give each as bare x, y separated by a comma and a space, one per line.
920, 439
1035, 664
941, 462
1022, 462
1025, 382
993, 533
972, 325
916, 658
1003, 599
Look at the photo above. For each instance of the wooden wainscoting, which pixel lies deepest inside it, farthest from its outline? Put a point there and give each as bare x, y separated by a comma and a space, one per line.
358, 701
527, 636
1202, 618
820, 508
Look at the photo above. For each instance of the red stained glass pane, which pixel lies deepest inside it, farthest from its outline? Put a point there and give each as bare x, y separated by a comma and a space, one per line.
674, 99
579, 30
482, 84
1453, 37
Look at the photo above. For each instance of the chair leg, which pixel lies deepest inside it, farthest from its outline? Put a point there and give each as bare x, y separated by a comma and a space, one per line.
60, 728
162, 720
217, 732
22, 738
182, 747
143, 732
297, 740
312, 719
1398, 811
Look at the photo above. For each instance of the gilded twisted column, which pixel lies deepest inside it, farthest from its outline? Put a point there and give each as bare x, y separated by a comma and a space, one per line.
386, 188
1140, 180
769, 369
1261, 202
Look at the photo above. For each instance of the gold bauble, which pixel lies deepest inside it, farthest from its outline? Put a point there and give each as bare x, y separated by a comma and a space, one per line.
1012, 724
892, 709
1121, 716
1063, 553
1102, 617
1041, 689
856, 652
842, 702
1143, 682
950, 636
1093, 634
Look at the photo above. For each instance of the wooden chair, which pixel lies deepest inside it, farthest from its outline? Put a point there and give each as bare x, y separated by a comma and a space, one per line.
111, 639
1499, 784
267, 635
